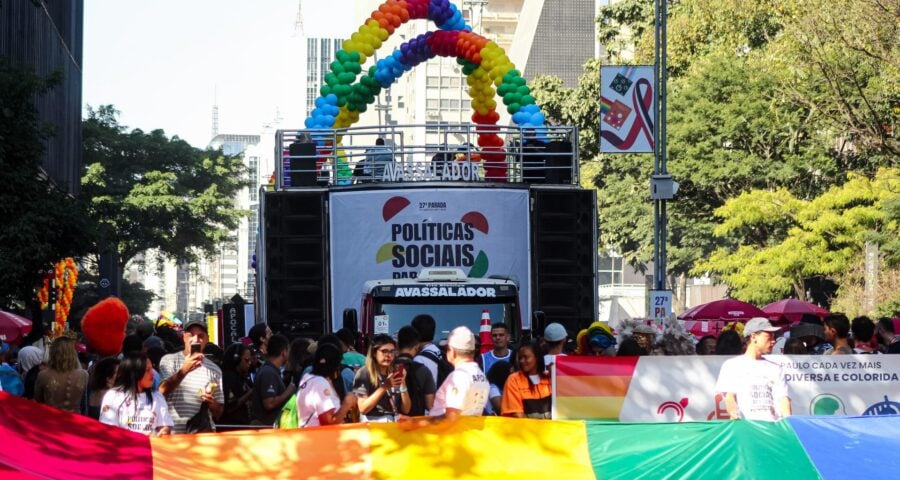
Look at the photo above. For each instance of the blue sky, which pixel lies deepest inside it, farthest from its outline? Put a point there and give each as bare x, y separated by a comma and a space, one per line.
160, 63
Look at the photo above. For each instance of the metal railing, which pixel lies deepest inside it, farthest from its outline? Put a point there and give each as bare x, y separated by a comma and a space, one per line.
425, 153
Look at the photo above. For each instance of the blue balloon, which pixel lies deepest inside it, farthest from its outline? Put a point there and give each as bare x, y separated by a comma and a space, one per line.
320, 102
328, 120
331, 99
310, 123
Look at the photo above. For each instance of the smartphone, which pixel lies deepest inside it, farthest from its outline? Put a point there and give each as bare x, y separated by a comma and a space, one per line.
195, 348
398, 370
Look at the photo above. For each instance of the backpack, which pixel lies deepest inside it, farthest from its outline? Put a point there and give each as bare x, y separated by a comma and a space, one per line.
443, 366
288, 417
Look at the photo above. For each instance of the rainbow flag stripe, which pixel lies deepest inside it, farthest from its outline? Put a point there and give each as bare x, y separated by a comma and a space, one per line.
579, 388
41, 442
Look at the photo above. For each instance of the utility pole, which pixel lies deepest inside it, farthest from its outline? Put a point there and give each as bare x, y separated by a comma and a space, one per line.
662, 186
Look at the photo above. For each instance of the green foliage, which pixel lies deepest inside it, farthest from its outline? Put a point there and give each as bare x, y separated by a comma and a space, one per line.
150, 191
824, 236
40, 224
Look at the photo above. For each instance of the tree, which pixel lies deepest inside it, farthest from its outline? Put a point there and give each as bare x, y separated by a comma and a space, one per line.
148, 191
40, 223
825, 236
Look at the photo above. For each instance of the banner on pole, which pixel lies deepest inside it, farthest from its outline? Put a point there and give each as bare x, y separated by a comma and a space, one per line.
682, 388
627, 103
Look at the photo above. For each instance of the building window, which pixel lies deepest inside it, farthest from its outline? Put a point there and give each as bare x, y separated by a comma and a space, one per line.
431, 104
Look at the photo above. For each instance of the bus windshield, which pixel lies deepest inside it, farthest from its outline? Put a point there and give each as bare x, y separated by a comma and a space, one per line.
448, 316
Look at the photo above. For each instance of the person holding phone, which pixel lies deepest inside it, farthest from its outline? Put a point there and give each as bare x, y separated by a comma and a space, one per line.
191, 380
381, 385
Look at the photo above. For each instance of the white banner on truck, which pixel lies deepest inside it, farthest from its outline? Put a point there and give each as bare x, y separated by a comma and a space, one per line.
377, 235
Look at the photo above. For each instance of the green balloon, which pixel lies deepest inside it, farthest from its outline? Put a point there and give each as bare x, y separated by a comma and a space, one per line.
509, 99
527, 100
512, 109
325, 90
362, 108
342, 55
503, 89
354, 56
342, 90
352, 67
519, 81
337, 67
331, 79
523, 90
342, 101
346, 78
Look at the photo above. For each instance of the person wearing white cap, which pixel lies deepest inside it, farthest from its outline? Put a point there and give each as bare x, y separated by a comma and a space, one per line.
753, 386
465, 391
555, 338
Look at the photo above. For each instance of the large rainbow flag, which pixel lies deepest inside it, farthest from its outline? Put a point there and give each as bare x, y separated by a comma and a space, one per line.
42, 442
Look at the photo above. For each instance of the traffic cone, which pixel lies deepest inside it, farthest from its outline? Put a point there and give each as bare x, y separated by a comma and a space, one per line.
485, 332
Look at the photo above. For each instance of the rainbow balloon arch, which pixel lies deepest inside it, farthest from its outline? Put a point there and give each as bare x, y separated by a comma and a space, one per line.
348, 92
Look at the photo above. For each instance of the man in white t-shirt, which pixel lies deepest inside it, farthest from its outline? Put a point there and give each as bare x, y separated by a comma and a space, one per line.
465, 391
754, 387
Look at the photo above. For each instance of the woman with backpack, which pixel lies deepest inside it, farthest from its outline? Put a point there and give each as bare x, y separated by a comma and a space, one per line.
132, 404
380, 387
317, 402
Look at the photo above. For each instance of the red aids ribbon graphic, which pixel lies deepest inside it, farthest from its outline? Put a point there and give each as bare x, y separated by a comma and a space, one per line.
641, 100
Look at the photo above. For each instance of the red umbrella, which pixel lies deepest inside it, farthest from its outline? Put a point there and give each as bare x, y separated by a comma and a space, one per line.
727, 309
710, 318
792, 310
13, 327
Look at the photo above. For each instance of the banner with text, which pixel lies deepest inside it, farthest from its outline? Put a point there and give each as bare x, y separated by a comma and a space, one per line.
627, 99
682, 388
393, 235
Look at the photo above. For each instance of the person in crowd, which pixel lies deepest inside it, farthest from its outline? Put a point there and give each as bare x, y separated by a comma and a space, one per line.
754, 387
30, 363
429, 354
317, 399
630, 348
862, 330
812, 331
131, 344
597, 339
348, 373
884, 330
190, 380
837, 333
63, 382
555, 338
707, 345
729, 343
236, 384
214, 353
380, 387
645, 336
103, 377
418, 379
465, 391
350, 357
794, 346
501, 350
299, 360
10, 380
132, 404
269, 391
259, 335
527, 392
496, 377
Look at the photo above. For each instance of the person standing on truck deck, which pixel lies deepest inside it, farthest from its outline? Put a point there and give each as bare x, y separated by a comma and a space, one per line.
754, 387
465, 392
376, 161
501, 351
429, 354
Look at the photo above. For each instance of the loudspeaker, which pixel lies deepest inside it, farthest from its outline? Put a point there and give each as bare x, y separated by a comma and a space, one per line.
303, 164
295, 273
564, 265
559, 162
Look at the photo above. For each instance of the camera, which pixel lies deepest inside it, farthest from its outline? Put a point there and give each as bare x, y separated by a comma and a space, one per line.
195, 348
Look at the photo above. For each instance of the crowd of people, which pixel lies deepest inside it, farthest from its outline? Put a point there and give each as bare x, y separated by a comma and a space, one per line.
168, 381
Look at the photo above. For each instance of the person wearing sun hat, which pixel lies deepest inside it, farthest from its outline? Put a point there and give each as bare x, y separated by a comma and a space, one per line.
753, 386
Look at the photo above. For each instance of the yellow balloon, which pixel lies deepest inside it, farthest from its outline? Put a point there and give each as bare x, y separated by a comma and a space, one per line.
382, 33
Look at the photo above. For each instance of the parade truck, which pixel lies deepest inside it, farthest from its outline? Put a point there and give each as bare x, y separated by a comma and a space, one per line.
364, 234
